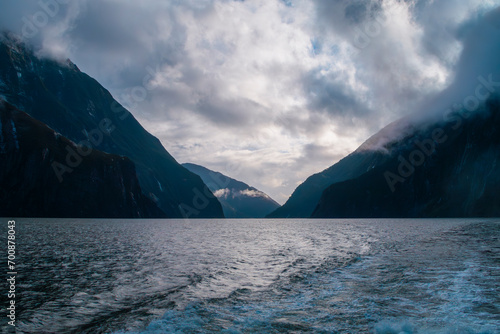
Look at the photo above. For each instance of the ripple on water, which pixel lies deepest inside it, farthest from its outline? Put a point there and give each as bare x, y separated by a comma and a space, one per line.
272, 276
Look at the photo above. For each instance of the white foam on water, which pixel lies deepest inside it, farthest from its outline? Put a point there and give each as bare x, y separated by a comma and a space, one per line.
406, 327
404, 277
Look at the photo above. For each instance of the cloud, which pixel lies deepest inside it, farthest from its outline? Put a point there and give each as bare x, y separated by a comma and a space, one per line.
478, 61
252, 193
222, 193
269, 91
226, 192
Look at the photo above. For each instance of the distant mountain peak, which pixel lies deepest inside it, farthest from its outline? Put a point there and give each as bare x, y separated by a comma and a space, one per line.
238, 199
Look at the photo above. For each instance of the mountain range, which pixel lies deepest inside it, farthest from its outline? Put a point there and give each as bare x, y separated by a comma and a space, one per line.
69, 149
76, 106
445, 169
413, 173
237, 198
103, 185
438, 161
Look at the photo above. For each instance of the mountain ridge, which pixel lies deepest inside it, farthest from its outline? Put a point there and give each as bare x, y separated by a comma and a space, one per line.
238, 199
457, 174
304, 199
101, 186
77, 106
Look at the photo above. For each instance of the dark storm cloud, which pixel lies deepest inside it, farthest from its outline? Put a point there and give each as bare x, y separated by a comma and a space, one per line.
332, 95
479, 62
344, 16
110, 27
126, 37
481, 39
235, 113
11, 15
29, 19
319, 153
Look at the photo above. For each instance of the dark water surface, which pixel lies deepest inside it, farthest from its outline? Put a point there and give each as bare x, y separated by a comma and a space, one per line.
263, 276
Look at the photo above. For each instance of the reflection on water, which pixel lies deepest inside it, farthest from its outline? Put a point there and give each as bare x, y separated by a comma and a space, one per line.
268, 276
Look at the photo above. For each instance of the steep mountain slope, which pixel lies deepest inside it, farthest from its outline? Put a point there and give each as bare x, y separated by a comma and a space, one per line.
478, 63
102, 185
444, 170
238, 199
304, 199
78, 107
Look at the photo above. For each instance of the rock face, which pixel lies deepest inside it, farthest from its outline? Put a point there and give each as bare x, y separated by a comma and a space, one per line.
443, 170
238, 199
100, 185
79, 108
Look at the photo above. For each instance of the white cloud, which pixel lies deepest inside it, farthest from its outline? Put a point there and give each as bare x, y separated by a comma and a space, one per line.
222, 193
252, 193
265, 92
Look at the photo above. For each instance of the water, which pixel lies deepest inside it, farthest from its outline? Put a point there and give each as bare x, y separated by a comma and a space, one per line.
263, 276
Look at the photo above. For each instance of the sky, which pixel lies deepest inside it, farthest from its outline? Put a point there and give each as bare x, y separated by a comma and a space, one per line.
265, 91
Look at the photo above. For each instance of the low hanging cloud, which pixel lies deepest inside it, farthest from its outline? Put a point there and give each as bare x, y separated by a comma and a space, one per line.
252, 193
265, 91
222, 193
233, 193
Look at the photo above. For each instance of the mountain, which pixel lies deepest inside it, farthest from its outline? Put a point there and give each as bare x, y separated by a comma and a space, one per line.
446, 169
304, 199
80, 109
476, 64
238, 199
103, 185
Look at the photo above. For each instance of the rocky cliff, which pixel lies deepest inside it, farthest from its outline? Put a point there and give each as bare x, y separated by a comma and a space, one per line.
31, 157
